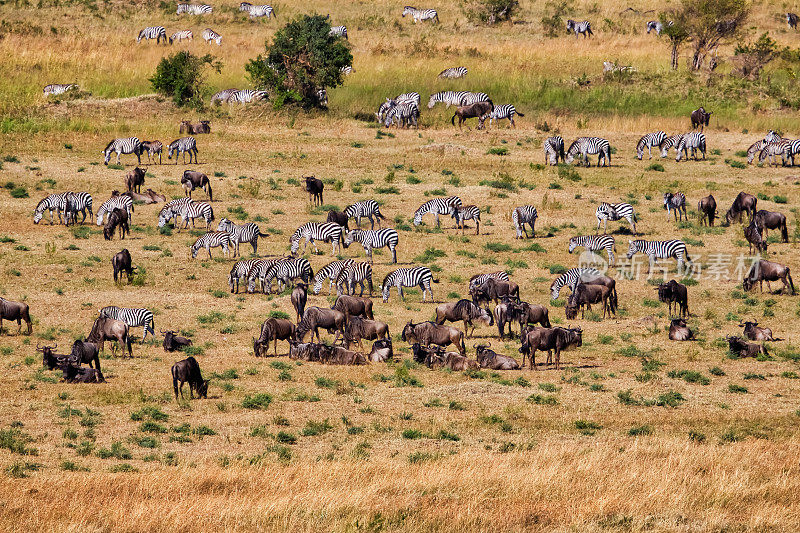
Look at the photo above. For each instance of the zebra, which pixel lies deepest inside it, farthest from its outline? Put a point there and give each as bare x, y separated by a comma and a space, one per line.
339, 31
586, 146
757, 146
352, 274
193, 210
330, 272
408, 277
194, 9
453, 73
133, 317
447, 97
405, 115
437, 206
480, 279
258, 271
406, 98
210, 35
524, 214
210, 240
583, 27
115, 202
79, 201
257, 11
467, 212
499, 113
181, 36
54, 89
346, 70
285, 271
655, 26
691, 141
317, 231
172, 209
669, 142
791, 20
676, 202
606, 212
152, 148
649, 141
371, 239
772, 137
570, 279
421, 14
239, 271
594, 243
245, 96
153, 32
770, 150
473, 98
660, 250
794, 149
53, 202
553, 150
384, 109
223, 96
322, 97
128, 145
365, 209
249, 232
184, 145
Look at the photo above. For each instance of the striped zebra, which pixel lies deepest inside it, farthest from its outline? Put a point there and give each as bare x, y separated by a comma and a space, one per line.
371, 239
210, 35
670, 142
554, 150
421, 14
612, 212
194, 9
346, 70
772, 137
133, 317
586, 146
152, 148
54, 89
447, 97
184, 145
384, 109
322, 97
317, 231
240, 271
172, 209
499, 113
223, 96
115, 202
407, 98
437, 206
258, 272
794, 149
771, 150
53, 202
691, 141
453, 73
153, 32
330, 272
571, 277
583, 27
655, 26
257, 11
339, 31
479, 279
285, 271
245, 96
405, 115
595, 243
78, 202
649, 141
467, 212
754, 148
408, 277
473, 98
524, 214
193, 210
210, 240
249, 232
182, 35
352, 274
660, 250
365, 209
675, 202
128, 145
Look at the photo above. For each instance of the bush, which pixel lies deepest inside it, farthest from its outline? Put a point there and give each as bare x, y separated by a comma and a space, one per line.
257, 401
489, 11
180, 77
19, 192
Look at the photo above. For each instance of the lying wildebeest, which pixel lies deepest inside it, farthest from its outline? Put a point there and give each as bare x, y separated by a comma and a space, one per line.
340, 217
76, 374
299, 298
353, 306
203, 127
84, 352
742, 348
107, 329
427, 333
314, 187
50, 358
754, 239
434, 356
121, 262
475, 110
189, 371
117, 219
676, 293
584, 296
134, 179
359, 328
755, 333
744, 203
494, 290
771, 220
762, 271
700, 118
488, 358
679, 331
551, 339
464, 311
157, 198
192, 180
273, 330
173, 342
381, 351
336, 355
305, 351
315, 318
19, 311
707, 208
143, 198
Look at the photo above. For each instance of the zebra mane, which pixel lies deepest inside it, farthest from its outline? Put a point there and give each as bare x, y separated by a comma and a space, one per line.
108, 146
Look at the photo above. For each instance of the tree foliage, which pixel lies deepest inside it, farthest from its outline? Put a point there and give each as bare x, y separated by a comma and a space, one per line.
750, 58
489, 11
180, 77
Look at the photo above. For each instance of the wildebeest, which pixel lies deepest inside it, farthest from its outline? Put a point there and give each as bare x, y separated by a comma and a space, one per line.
585, 295
189, 371
134, 179
336, 355
742, 348
174, 342
475, 110
122, 262
755, 333
676, 293
754, 239
744, 203
353, 306
315, 318
117, 219
508, 311
272, 330
314, 187
50, 359
305, 351
494, 289
192, 180
771, 220
488, 358
434, 356
157, 198
700, 118
339, 217
359, 328
381, 351
707, 208
762, 271
203, 127
551, 339
77, 374
107, 329
85, 352
19, 311
464, 311
299, 298
427, 333
679, 331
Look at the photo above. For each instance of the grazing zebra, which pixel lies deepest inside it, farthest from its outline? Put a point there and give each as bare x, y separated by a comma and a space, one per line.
285, 271
245, 96
586, 146
79, 201
612, 212
772, 137
447, 97
317, 231
172, 209
128, 145
339, 31
405, 115
211, 240
184, 145
757, 146
691, 141
223, 96
330, 272
791, 20
676, 202
54, 89
583, 27
53, 202
437, 206
115, 202
153, 32
370, 239
595, 243
240, 271
182, 35
524, 214
570, 279
365, 209
421, 14
660, 250
133, 317
352, 274
479, 279
258, 272
655, 26
257, 11
384, 109
152, 148
193, 9
346, 70
193, 210
794, 149
553, 150
467, 212
649, 141
669, 142
249, 232
499, 113
773, 149
408, 277
453, 73
210, 35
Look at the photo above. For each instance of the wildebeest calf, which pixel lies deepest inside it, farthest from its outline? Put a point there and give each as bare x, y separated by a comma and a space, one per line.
742, 348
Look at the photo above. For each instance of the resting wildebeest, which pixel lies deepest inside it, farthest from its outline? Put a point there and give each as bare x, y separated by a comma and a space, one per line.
679, 331
488, 358
475, 110
494, 289
742, 348
121, 262
189, 370
84, 352
743, 203
305, 351
315, 318
203, 127
299, 298
117, 218
107, 329
50, 358
134, 179
192, 180
336, 355
585, 295
314, 187
353, 306
427, 333
771, 220
754, 239
464, 311
700, 118
707, 208
549, 339
755, 333
676, 293
173, 342
381, 351
434, 357
272, 330
762, 271
359, 328
339, 217
76, 374
19, 311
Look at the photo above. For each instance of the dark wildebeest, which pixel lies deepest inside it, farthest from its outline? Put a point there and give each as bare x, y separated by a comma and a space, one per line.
771, 220
340, 218
434, 356
754, 239
700, 118
550, 339
336, 355
315, 318
84, 352
381, 351
134, 179
508, 311
50, 358
755, 333
707, 208
488, 358
585, 295
494, 290
203, 127
360, 328
189, 370
19, 311
299, 298
744, 203
305, 351
464, 311
118, 218
353, 306
676, 293
762, 271
742, 348
475, 110
107, 329
272, 330
76, 374
192, 180
173, 342
427, 333
679, 331
314, 187
121, 262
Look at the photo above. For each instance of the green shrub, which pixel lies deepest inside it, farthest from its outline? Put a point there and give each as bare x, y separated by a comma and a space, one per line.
656, 167
489, 11
257, 401
637, 431
497, 150
180, 77
19, 192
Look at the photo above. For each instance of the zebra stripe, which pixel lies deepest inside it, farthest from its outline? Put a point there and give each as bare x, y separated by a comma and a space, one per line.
656, 26
75, 202
193, 9
586, 146
285, 271
554, 149
447, 97
364, 209
153, 32
115, 202
772, 137
193, 210
371, 239
606, 212
181, 35
771, 150
53, 202
524, 214
339, 31
408, 98
352, 274
172, 209
210, 35
595, 243
660, 250
437, 206
184, 145
258, 271
583, 27
223, 96
330, 272
474, 98
453, 73
757, 146
570, 279
691, 141
133, 317
794, 149
240, 271
67, 202
54, 89
317, 231
405, 115
249, 232
676, 202
407, 277
669, 142
467, 212
649, 141
346, 70
499, 113
420, 14
245, 96
479, 279
211, 240
256, 11
128, 145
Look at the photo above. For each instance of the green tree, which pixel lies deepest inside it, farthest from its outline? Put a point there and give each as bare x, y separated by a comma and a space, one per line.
750, 58
180, 77
674, 29
489, 11
302, 59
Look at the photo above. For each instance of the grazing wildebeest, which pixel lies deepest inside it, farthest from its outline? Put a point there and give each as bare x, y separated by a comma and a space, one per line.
19, 311
189, 370
755, 333
299, 298
679, 331
85, 352
134, 179
117, 219
754, 239
700, 118
744, 203
742, 348
192, 180
360, 328
494, 289
585, 295
122, 262
314, 187
771, 220
676, 293
187, 127
707, 207
508, 311
464, 311
107, 329
272, 330
353, 306
550, 339
475, 110
173, 342
381, 351
762, 271
427, 333
340, 217
488, 358
315, 318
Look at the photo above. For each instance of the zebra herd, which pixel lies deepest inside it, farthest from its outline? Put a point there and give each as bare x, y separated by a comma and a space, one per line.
772, 146
132, 145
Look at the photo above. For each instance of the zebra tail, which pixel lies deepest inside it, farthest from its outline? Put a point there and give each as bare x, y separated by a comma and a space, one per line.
379, 215
520, 114
262, 234
453, 120
434, 280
